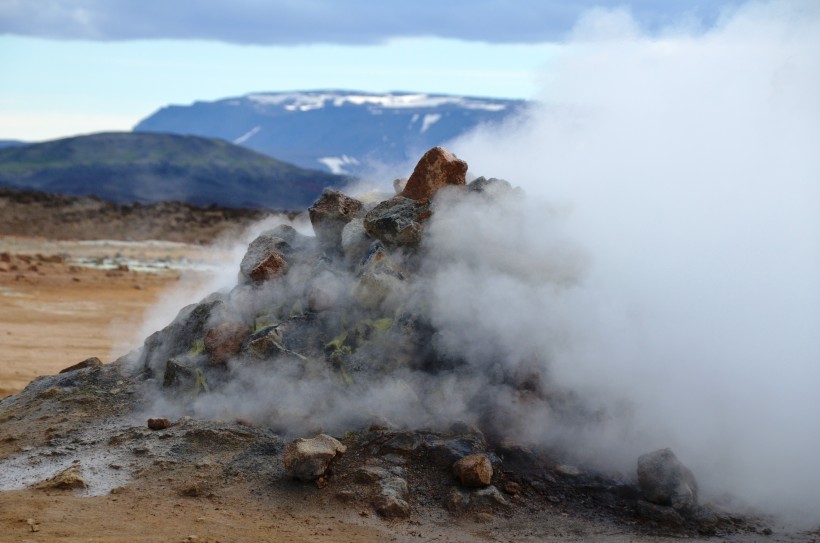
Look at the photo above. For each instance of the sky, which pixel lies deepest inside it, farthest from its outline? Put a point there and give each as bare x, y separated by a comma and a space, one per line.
81, 66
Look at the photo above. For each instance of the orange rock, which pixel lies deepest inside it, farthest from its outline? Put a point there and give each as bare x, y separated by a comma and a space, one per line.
474, 470
437, 168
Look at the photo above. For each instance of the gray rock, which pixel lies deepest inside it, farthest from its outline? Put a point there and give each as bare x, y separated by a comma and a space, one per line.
665, 481
379, 278
181, 337
665, 516
491, 186
329, 215
309, 459
484, 499
264, 259
355, 241
398, 222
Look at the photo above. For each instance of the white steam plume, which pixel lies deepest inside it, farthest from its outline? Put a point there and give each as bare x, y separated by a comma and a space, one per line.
691, 168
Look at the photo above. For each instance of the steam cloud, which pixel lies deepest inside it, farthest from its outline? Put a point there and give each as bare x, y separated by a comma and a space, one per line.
664, 266
690, 167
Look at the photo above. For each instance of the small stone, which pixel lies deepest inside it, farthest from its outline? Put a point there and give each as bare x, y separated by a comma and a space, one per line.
67, 479
512, 488
474, 470
264, 260
159, 424
309, 459
566, 469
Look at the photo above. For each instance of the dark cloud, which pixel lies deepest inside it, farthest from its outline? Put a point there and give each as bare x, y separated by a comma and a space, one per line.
292, 22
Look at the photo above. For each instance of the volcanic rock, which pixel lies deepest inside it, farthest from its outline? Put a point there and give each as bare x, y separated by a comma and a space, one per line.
392, 499
665, 481
87, 363
159, 424
355, 241
264, 259
379, 277
224, 341
437, 168
484, 499
309, 459
329, 215
398, 222
181, 336
665, 516
491, 186
474, 470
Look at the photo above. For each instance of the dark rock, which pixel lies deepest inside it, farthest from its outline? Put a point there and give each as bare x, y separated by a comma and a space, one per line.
491, 186
397, 222
437, 168
665, 516
474, 470
181, 337
329, 215
159, 424
309, 459
224, 341
178, 375
92, 362
665, 481
264, 259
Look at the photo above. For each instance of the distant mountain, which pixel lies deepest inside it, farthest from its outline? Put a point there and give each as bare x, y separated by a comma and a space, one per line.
130, 167
11, 143
339, 130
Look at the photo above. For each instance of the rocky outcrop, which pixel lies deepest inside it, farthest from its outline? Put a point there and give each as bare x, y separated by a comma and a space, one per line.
665, 481
310, 459
436, 169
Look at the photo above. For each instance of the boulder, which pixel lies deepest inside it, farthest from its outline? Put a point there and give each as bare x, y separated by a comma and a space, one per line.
437, 168
329, 215
397, 222
310, 459
665, 481
264, 259
224, 341
92, 362
474, 470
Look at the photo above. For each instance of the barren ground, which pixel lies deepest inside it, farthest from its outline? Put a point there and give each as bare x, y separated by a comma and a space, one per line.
55, 312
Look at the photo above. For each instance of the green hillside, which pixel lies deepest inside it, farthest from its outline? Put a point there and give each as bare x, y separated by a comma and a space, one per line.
151, 167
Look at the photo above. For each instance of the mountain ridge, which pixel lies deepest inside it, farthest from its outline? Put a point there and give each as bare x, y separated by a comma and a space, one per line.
342, 131
127, 167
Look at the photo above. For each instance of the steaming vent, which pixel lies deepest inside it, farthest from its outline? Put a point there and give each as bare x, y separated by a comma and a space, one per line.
341, 330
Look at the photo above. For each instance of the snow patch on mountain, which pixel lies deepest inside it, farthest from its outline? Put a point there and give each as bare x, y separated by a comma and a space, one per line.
429, 120
247, 135
307, 101
336, 164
